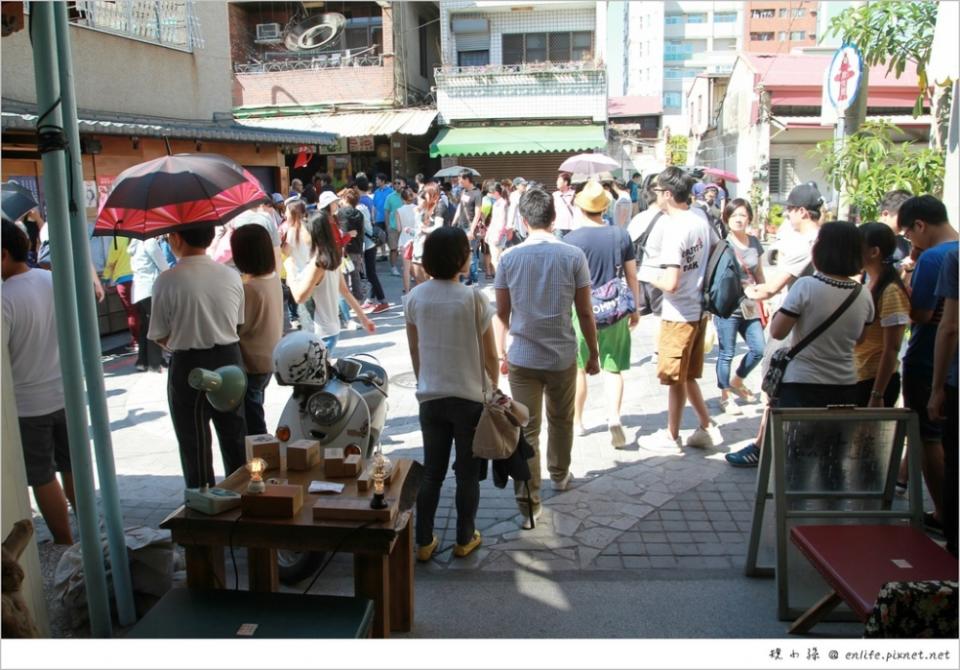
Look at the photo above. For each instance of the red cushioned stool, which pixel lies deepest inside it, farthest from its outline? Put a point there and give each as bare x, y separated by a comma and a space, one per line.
856, 561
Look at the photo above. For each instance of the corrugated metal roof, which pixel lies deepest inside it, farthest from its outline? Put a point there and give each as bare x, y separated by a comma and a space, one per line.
358, 124
19, 116
634, 105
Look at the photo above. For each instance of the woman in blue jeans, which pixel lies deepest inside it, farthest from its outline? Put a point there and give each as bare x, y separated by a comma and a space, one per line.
446, 322
746, 320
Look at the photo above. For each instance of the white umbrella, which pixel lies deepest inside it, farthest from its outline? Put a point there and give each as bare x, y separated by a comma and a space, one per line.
589, 164
454, 171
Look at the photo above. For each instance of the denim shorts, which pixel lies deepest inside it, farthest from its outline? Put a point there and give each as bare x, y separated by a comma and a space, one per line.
916, 394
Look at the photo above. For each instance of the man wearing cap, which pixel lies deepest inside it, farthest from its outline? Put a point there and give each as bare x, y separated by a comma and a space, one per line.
563, 204
687, 241
539, 284
794, 260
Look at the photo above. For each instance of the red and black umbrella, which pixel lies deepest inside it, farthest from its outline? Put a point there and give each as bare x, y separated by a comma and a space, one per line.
175, 193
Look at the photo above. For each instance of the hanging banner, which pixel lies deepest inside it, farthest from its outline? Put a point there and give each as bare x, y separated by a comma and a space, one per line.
363, 144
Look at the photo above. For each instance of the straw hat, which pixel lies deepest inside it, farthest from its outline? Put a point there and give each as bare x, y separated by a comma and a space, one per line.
593, 198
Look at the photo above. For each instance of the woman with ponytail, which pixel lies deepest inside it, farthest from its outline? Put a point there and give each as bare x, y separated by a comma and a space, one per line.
878, 381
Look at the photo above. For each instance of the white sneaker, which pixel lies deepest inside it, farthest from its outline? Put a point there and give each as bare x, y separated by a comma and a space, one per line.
661, 441
394, 271
563, 484
351, 325
700, 438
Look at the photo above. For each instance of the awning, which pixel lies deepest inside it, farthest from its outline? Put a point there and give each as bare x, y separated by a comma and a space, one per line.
22, 116
359, 124
516, 140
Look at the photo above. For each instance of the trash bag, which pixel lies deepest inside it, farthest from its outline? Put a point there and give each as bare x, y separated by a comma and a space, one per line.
153, 564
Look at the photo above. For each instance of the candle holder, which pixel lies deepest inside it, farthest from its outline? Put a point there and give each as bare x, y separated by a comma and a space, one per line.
379, 471
256, 467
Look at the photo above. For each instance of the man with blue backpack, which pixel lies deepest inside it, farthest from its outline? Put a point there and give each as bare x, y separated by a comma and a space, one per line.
685, 254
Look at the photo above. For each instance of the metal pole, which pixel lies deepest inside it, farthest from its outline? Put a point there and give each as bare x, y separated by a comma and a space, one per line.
90, 335
61, 255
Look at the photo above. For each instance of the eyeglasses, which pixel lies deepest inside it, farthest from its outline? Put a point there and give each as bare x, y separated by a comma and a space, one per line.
659, 190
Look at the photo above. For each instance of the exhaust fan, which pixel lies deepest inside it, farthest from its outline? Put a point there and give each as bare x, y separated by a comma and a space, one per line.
314, 31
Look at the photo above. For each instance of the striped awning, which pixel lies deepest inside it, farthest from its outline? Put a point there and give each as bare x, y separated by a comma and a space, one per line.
355, 124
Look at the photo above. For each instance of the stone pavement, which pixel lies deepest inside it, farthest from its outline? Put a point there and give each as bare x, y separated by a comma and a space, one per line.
628, 513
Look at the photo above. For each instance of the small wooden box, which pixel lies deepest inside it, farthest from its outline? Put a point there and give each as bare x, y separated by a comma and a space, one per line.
351, 509
332, 454
346, 467
265, 446
303, 454
280, 501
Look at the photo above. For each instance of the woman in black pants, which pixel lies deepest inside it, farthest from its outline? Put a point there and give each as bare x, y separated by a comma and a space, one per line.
446, 321
377, 301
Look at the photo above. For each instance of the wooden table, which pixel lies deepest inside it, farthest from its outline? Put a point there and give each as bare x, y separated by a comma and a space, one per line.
382, 552
856, 561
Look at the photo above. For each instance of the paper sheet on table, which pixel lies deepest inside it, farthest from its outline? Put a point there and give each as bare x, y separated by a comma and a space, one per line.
317, 486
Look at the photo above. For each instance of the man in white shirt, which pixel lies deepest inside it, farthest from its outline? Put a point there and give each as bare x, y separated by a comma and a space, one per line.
197, 307
687, 241
539, 284
30, 333
563, 204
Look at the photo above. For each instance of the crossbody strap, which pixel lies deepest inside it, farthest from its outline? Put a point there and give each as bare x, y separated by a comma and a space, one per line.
814, 334
646, 235
480, 348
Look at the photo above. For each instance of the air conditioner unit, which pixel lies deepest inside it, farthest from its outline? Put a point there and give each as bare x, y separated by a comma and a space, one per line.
268, 33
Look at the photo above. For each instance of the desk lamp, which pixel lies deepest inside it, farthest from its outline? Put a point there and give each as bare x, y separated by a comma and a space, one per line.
379, 471
224, 389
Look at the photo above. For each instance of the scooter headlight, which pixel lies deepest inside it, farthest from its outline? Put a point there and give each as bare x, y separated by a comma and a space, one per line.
324, 408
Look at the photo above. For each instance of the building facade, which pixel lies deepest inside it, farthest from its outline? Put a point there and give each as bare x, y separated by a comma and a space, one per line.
670, 43
371, 84
520, 87
777, 26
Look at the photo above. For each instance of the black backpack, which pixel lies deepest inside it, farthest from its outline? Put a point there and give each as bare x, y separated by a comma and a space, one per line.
651, 298
723, 281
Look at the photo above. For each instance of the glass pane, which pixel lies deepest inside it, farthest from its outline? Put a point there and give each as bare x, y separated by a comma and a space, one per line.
559, 51
583, 39
536, 41
512, 49
473, 58
356, 38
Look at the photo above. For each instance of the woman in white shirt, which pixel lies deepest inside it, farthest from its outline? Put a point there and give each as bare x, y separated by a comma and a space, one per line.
322, 280
445, 322
407, 218
296, 247
823, 373
147, 262
429, 213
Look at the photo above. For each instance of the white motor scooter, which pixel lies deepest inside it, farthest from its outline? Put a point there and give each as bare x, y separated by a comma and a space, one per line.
341, 405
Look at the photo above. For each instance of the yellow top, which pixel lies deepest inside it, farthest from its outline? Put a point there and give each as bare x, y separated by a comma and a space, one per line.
117, 268
893, 310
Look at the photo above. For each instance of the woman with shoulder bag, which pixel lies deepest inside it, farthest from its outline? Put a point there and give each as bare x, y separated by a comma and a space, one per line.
749, 318
443, 319
609, 253
822, 372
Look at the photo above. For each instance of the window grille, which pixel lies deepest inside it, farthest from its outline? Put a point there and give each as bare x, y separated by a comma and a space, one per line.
172, 23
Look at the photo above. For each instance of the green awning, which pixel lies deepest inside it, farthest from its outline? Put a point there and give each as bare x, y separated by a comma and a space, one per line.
516, 140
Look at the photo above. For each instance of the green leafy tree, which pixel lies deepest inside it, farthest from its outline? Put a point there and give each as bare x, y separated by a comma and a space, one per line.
677, 150
894, 33
870, 163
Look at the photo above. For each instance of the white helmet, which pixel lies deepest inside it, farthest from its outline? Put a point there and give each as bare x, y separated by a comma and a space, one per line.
300, 358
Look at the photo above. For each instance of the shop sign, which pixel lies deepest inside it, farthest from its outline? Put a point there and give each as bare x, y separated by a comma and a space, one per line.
338, 146
363, 144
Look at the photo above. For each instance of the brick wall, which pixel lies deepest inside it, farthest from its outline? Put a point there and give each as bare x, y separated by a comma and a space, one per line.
312, 87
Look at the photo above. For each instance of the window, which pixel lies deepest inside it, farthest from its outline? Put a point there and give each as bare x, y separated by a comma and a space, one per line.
783, 12
673, 19
799, 11
782, 36
798, 35
541, 47
696, 18
679, 72
725, 44
725, 17
783, 177
672, 100
761, 37
812, 37
674, 50
473, 58
361, 33
762, 13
